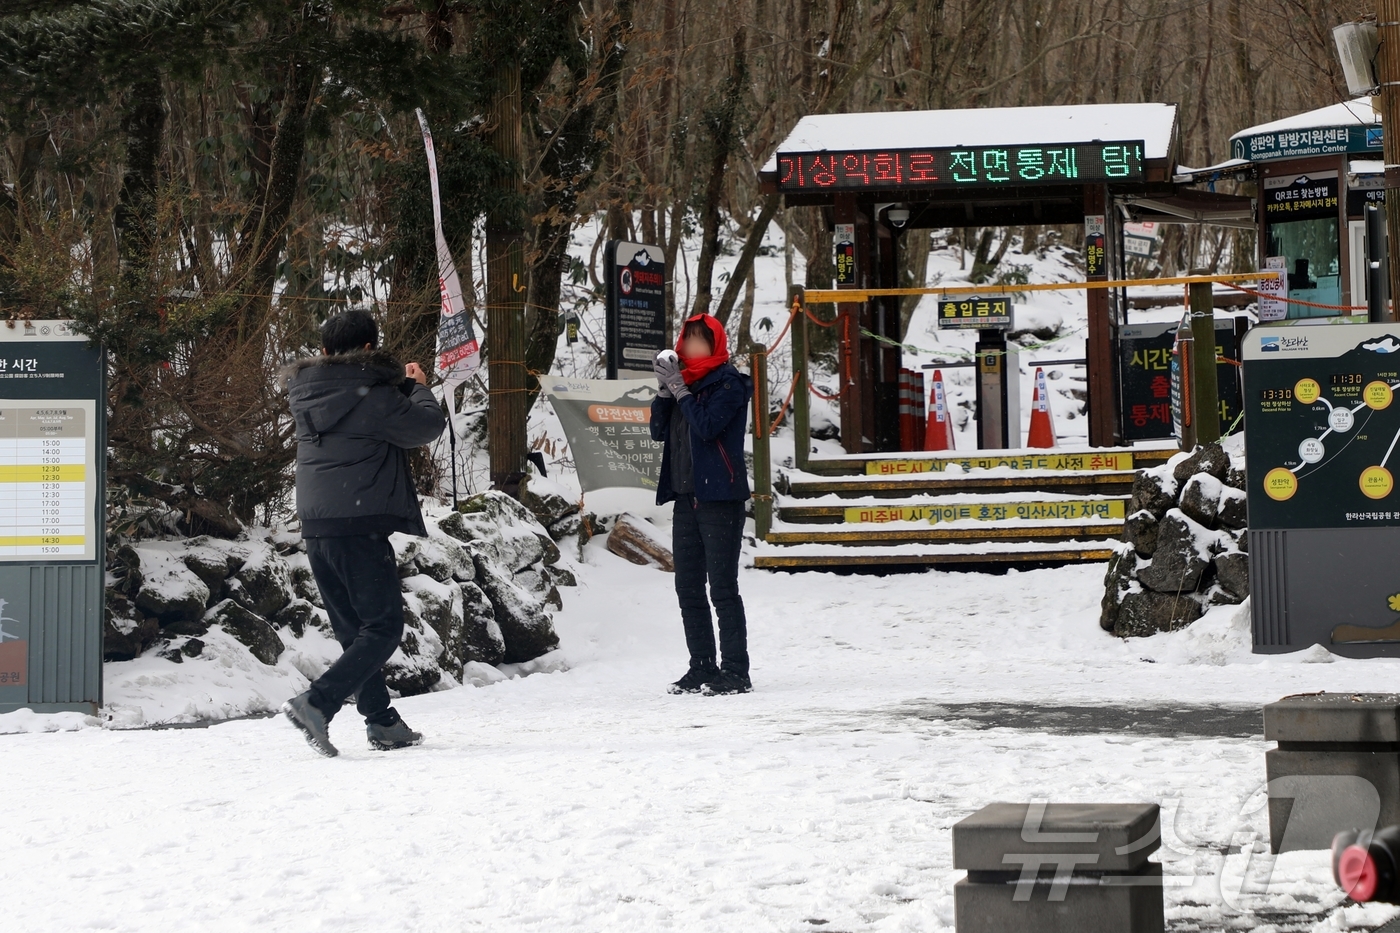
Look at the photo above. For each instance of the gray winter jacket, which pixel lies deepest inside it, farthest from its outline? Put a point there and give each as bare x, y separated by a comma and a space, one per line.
357, 417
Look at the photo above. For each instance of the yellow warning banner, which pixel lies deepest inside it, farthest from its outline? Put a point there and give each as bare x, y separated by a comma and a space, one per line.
1065, 463
1055, 510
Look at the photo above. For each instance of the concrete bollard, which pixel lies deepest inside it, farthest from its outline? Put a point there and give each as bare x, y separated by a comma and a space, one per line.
1336, 767
1059, 868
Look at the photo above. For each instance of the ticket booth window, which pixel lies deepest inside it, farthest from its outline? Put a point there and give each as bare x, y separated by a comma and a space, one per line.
1312, 248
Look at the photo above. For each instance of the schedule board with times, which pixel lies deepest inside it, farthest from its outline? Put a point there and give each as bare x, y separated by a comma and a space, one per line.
47, 483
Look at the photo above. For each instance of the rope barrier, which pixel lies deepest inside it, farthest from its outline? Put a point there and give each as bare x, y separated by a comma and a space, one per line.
787, 401
822, 395
1295, 301
856, 295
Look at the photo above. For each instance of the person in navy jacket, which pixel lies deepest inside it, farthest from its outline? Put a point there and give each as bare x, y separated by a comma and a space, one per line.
700, 414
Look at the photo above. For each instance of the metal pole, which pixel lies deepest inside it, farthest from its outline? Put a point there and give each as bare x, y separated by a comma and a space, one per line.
1377, 271
1205, 386
801, 399
762, 477
1388, 73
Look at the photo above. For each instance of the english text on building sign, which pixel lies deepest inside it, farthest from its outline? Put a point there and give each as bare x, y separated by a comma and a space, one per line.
994, 166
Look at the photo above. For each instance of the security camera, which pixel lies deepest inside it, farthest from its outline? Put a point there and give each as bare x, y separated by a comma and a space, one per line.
898, 217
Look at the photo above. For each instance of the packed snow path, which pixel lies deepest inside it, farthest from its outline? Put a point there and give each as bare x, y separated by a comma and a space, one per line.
886, 710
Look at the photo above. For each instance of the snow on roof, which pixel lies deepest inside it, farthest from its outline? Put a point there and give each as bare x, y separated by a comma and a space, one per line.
1154, 124
1348, 113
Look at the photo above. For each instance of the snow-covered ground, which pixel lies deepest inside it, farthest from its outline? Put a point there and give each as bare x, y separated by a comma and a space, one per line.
588, 799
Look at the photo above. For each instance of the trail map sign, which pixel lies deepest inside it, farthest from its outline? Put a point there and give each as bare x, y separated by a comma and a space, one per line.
1323, 439
608, 424
636, 306
52, 455
962, 167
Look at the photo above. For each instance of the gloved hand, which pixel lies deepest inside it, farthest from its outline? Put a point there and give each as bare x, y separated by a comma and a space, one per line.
662, 391
667, 367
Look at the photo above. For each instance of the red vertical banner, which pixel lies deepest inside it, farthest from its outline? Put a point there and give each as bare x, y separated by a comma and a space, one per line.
14, 663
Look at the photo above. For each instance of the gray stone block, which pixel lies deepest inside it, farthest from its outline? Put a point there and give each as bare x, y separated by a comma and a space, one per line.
1107, 904
1334, 717
1315, 794
1109, 837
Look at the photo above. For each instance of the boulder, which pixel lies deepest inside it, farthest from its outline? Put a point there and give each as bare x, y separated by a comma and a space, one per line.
1140, 530
1233, 511
560, 576
413, 667
568, 525
524, 623
639, 541
262, 585
482, 641
126, 634
304, 583
439, 606
1147, 613
251, 631
444, 559
1235, 478
497, 526
211, 567
1153, 490
1181, 557
1200, 498
192, 648
1210, 458
298, 615
125, 568
1117, 583
547, 501
1232, 572
170, 590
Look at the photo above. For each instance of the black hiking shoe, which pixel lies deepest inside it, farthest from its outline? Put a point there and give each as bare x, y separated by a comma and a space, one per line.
727, 683
693, 680
388, 738
312, 723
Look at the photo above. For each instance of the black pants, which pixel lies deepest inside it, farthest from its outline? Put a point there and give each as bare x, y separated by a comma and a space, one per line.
359, 583
705, 543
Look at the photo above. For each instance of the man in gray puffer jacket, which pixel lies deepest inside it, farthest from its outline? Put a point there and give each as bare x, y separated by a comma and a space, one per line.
358, 413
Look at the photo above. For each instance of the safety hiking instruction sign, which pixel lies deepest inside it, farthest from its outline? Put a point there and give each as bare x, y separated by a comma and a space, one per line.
608, 424
1322, 425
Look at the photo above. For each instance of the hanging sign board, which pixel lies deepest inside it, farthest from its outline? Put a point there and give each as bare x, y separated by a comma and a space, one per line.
1145, 378
636, 306
1095, 246
845, 243
962, 167
971, 313
1274, 307
608, 425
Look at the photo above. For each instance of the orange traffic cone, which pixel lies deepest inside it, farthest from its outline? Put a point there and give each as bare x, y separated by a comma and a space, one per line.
1042, 432
939, 433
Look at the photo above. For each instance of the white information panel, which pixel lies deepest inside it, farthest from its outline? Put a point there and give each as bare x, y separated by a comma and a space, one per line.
48, 479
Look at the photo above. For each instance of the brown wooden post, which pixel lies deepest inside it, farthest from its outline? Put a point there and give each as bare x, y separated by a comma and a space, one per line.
762, 462
505, 293
1205, 387
801, 397
1103, 401
848, 336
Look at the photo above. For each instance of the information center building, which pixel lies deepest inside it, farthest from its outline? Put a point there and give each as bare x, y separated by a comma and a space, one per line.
1088, 165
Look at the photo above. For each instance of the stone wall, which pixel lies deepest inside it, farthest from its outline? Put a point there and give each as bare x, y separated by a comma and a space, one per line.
480, 589
1184, 544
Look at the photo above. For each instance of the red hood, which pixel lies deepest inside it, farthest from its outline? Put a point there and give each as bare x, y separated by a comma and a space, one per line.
695, 370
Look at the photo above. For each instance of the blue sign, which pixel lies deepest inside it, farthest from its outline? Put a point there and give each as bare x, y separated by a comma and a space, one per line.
1293, 144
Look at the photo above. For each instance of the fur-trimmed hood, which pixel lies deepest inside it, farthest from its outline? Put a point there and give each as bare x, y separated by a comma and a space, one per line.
379, 363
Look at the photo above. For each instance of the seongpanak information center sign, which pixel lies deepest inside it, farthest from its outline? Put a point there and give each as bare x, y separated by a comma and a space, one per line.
1322, 435
52, 469
608, 425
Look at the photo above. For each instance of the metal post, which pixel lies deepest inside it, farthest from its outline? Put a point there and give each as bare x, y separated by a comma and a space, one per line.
762, 475
801, 398
1377, 271
1388, 73
1205, 387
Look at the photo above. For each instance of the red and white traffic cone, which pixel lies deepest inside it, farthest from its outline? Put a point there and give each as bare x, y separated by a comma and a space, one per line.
1366, 864
1042, 432
939, 433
